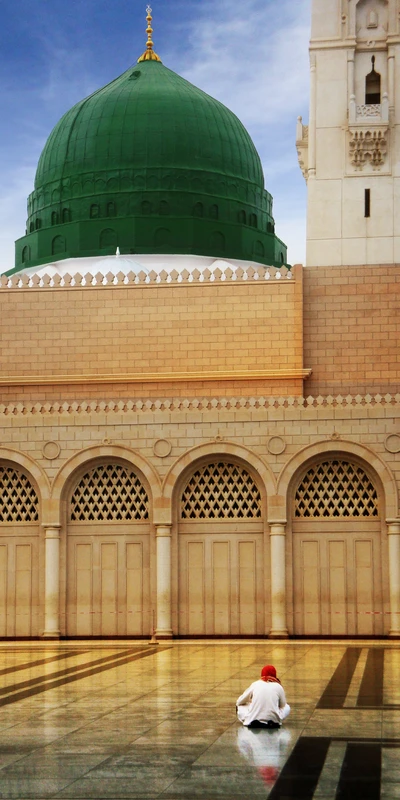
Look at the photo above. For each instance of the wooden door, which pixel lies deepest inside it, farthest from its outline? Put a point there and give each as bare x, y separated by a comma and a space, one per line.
108, 554
337, 579
221, 553
220, 582
108, 590
19, 582
337, 558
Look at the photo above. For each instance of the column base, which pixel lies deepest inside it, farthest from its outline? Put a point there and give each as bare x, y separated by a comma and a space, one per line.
395, 634
51, 635
163, 634
278, 634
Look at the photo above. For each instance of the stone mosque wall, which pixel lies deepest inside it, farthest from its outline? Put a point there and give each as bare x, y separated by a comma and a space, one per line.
218, 507
175, 332
352, 329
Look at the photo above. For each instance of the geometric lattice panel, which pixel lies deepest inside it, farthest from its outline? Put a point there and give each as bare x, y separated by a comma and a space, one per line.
109, 493
221, 491
18, 499
336, 489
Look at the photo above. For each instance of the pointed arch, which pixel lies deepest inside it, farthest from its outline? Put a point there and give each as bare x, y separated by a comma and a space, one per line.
343, 448
30, 466
92, 455
222, 450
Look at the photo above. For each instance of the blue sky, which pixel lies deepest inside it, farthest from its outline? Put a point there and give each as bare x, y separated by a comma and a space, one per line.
252, 55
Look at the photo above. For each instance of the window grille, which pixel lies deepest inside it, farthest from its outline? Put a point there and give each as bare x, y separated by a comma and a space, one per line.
18, 499
109, 493
221, 491
336, 489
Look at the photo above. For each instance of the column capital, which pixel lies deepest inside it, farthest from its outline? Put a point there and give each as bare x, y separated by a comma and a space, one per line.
52, 531
393, 527
277, 527
163, 530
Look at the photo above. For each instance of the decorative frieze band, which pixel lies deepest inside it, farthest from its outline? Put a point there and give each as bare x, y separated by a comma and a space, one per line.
199, 404
250, 273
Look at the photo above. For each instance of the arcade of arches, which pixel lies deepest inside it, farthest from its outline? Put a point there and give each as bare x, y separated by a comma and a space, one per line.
223, 566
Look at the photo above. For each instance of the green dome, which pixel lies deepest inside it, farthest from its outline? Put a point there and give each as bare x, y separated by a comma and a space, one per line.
150, 164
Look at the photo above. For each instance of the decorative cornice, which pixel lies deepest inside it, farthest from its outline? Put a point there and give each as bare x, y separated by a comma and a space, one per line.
183, 404
157, 377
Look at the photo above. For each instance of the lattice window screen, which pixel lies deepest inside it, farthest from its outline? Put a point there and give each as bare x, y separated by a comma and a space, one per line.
18, 499
336, 489
221, 491
109, 493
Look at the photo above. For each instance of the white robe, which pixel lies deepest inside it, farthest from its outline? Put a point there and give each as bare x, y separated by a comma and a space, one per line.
262, 701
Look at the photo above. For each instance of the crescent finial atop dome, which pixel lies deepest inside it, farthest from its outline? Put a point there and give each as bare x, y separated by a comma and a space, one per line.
149, 54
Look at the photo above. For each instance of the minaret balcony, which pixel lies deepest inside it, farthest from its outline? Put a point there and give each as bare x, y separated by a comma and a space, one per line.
369, 112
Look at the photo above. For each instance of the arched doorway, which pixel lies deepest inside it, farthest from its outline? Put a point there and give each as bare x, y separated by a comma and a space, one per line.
108, 553
221, 552
337, 551
20, 554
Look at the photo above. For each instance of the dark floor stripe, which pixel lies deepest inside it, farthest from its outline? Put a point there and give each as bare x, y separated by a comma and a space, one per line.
371, 689
368, 740
52, 683
360, 776
338, 686
8, 689
300, 775
31, 664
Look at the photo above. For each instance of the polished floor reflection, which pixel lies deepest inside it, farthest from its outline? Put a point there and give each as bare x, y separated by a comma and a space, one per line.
136, 720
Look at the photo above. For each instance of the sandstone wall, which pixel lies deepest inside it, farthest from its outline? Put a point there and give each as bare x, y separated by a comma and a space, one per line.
352, 329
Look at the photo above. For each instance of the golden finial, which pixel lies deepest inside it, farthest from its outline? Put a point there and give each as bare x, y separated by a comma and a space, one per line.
149, 54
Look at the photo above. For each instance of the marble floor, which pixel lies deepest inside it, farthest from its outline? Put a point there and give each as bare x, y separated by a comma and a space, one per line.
136, 720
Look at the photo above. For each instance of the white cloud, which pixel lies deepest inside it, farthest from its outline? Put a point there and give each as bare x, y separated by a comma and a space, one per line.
253, 57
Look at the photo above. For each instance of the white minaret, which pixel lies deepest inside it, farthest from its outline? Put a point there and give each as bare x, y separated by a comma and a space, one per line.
350, 151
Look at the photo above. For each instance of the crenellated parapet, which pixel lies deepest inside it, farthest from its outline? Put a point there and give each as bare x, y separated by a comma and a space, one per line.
250, 274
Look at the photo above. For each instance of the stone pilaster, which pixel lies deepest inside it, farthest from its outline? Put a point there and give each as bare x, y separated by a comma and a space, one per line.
52, 582
164, 616
394, 575
278, 580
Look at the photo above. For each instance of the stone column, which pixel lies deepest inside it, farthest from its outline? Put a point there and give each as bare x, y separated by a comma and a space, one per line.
278, 580
312, 121
391, 77
394, 576
164, 617
52, 582
351, 89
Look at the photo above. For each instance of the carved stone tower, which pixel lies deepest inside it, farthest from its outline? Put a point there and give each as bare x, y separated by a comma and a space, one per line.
350, 151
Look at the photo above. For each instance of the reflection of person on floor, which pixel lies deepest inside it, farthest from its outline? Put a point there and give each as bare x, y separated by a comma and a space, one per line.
263, 704
266, 751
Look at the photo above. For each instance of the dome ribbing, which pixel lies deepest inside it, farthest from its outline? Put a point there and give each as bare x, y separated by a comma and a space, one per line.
150, 164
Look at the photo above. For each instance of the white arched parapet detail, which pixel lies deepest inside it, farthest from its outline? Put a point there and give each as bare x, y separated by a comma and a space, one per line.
343, 448
31, 467
221, 449
92, 455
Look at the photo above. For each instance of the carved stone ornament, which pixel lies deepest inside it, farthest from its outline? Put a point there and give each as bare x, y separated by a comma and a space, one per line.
51, 450
162, 448
392, 443
276, 445
302, 146
368, 147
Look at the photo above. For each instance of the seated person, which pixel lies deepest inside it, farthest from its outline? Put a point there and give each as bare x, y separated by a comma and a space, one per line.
263, 704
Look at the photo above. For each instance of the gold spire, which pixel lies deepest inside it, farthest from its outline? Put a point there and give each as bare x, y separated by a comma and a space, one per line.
149, 54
